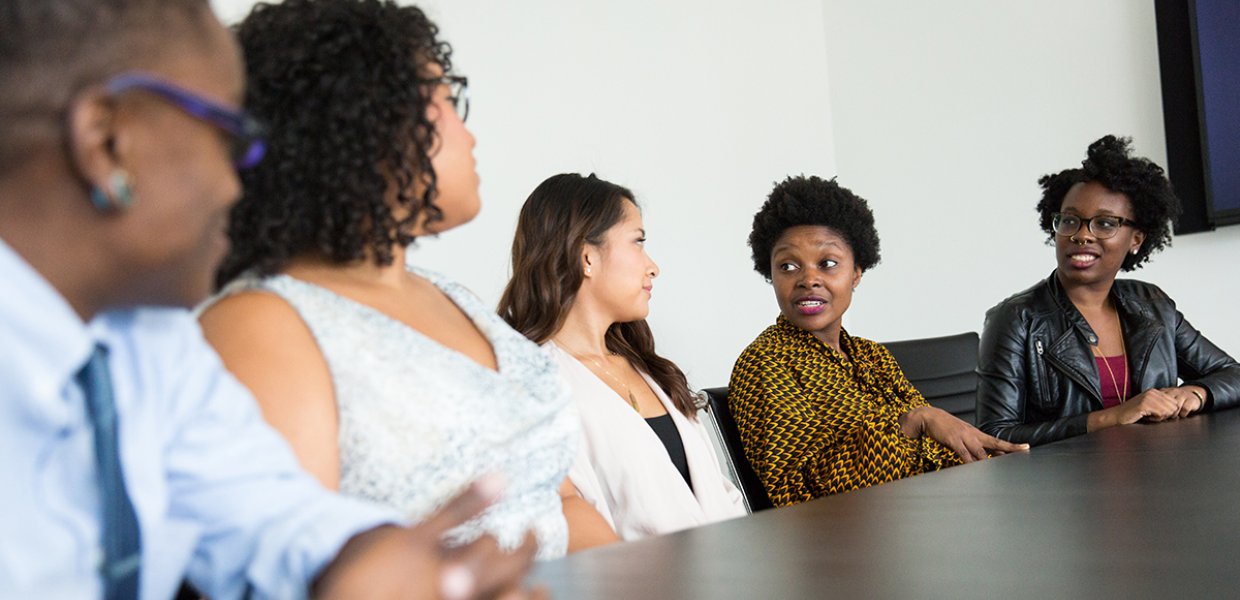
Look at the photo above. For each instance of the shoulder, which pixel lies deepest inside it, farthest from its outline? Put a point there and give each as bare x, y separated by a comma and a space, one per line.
870, 349
758, 353
867, 346
165, 334
560, 360
1141, 291
866, 350
773, 340
254, 330
453, 288
251, 314
1022, 305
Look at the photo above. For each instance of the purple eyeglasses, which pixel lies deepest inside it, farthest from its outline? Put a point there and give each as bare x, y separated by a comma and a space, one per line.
247, 144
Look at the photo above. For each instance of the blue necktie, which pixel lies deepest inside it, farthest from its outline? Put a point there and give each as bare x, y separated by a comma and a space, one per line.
122, 546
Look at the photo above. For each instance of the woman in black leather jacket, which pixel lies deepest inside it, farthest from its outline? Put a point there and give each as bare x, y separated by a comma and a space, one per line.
1082, 351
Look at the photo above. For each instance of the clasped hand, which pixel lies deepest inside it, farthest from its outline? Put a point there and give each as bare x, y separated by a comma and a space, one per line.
1162, 404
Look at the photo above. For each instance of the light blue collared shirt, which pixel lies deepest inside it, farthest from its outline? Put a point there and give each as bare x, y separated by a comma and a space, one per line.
219, 495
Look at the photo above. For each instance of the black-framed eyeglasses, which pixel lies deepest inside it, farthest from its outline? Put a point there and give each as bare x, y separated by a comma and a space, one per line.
1102, 226
458, 93
246, 134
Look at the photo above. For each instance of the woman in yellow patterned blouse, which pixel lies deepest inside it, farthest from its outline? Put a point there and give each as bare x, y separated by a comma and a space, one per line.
819, 411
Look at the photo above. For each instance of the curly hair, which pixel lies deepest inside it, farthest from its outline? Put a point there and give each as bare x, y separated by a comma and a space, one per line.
812, 200
1109, 161
343, 86
561, 216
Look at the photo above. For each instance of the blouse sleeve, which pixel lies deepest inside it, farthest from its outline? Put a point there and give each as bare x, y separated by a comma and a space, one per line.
904, 398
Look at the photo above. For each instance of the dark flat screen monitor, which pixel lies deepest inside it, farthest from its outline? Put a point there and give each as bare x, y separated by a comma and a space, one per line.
1218, 83
1199, 64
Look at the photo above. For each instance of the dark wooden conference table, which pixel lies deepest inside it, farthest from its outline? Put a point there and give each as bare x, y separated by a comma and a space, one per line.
1137, 511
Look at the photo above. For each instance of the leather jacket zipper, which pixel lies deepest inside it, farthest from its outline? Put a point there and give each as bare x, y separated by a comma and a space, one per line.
1043, 387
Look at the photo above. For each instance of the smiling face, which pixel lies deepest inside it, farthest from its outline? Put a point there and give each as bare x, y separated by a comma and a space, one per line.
621, 275
1084, 258
813, 274
172, 237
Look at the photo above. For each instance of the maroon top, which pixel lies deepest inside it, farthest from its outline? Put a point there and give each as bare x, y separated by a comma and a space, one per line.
1110, 391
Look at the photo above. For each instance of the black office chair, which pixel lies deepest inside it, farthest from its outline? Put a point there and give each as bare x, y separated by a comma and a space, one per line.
725, 428
943, 369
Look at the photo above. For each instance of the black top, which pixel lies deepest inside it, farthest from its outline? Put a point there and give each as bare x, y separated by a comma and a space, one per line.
665, 428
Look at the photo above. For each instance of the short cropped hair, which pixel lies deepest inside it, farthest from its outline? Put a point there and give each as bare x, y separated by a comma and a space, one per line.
52, 49
1109, 161
812, 200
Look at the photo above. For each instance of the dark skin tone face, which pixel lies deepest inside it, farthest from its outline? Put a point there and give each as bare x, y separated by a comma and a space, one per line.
813, 273
1084, 259
183, 179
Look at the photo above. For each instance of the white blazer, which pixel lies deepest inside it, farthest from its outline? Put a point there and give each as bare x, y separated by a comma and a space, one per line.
624, 470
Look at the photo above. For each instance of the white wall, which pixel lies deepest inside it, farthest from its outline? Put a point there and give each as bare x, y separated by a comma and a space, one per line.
946, 113
942, 114
698, 106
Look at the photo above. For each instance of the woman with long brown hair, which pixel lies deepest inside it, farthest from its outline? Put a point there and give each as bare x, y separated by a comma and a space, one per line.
581, 287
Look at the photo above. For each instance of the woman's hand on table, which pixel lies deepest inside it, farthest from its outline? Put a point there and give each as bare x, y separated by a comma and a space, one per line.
963, 439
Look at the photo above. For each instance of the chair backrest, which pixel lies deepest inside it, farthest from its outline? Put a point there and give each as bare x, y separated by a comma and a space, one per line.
751, 486
943, 369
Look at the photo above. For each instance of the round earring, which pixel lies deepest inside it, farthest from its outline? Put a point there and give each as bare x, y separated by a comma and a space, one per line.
1134, 251
587, 270
119, 194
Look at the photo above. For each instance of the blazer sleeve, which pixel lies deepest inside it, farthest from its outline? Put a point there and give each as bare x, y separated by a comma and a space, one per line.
1002, 384
797, 457
1200, 362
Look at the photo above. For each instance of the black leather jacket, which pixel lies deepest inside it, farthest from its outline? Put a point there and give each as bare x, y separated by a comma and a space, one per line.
1037, 379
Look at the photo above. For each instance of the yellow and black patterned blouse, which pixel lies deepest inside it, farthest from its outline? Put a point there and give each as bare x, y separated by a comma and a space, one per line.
816, 423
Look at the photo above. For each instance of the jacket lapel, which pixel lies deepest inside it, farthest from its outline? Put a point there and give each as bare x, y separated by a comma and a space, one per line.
1070, 354
1141, 333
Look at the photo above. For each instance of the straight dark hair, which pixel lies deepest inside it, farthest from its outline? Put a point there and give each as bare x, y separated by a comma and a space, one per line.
560, 217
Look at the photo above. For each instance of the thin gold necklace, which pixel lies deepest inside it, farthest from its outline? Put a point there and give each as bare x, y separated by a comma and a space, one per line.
633, 402
1123, 352
627, 390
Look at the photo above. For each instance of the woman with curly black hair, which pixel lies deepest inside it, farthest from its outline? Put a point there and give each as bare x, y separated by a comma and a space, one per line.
819, 411
1083, 351
391, 383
